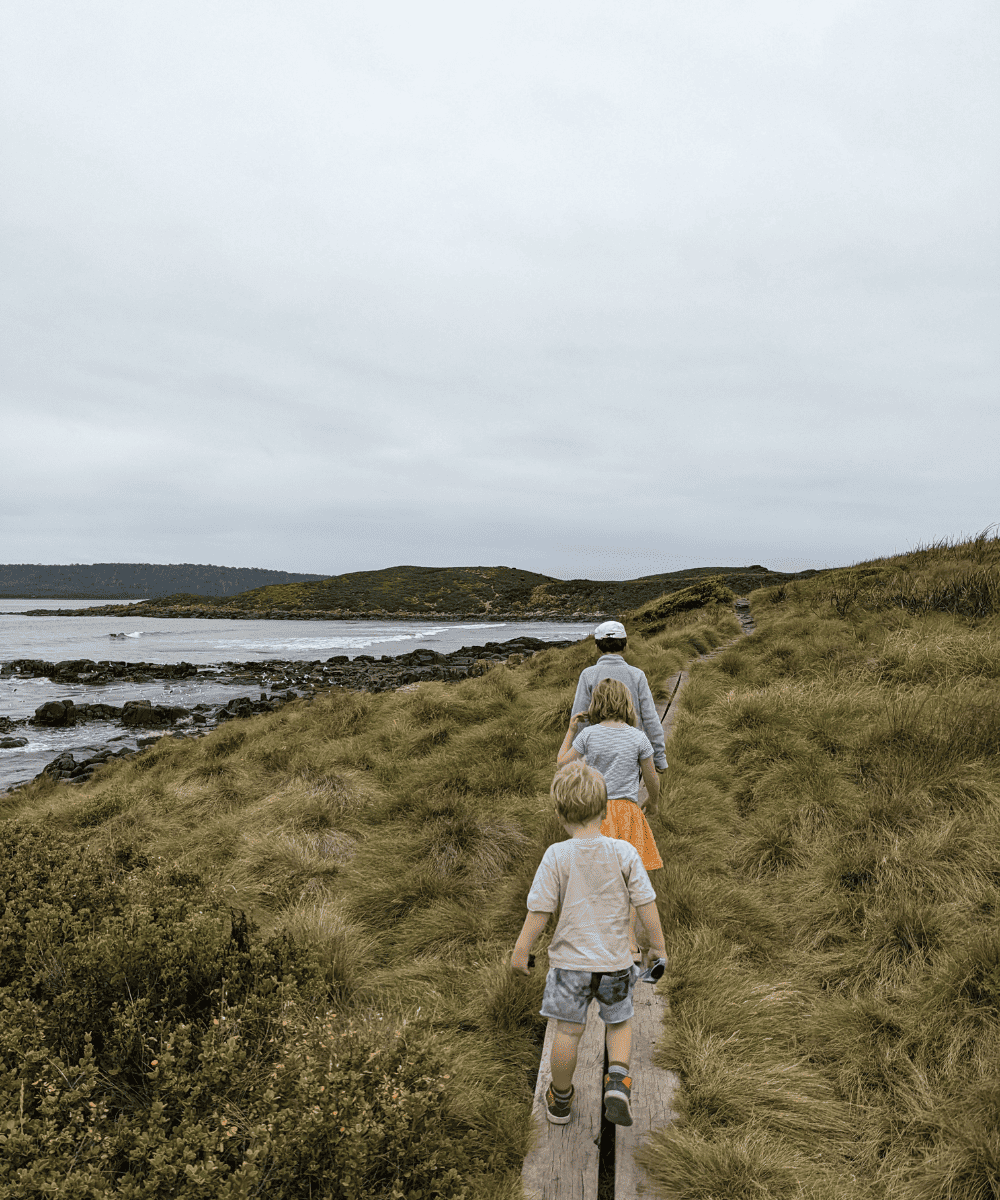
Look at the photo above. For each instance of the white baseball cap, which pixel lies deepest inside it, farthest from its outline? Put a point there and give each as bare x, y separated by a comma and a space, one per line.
609, 629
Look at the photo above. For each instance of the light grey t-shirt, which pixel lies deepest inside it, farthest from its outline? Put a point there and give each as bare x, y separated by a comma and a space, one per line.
591, 881
615, 752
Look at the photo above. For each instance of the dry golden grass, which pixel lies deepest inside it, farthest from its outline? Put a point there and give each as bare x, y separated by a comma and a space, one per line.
846, 768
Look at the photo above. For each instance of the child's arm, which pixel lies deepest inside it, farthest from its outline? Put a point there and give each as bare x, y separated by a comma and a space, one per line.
650, 919
566, 752
652, 782
533, 925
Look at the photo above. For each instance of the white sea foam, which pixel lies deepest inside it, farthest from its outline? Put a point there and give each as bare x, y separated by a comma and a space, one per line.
342, 642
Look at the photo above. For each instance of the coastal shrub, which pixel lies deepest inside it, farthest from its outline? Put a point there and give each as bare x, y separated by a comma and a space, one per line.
366, 1111
154, 1044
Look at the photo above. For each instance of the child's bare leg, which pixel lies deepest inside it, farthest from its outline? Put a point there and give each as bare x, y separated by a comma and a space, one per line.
618, 1039
564, 1049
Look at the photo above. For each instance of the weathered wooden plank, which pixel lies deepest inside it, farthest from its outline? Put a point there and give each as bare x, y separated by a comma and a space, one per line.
652, 1095
563, 1163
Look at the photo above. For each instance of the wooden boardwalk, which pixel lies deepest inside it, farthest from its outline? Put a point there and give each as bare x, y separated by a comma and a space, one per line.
563, 1165
564, 1162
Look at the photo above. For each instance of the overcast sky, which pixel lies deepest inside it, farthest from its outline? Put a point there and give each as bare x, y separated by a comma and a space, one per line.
591, 289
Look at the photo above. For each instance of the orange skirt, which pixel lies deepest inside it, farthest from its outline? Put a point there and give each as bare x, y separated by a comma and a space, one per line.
627, 821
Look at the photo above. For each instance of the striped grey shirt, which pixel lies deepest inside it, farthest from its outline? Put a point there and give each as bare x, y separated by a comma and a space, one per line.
615, 752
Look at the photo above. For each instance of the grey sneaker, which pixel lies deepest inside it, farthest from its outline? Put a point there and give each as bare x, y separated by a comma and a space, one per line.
559, 1110
618, 1099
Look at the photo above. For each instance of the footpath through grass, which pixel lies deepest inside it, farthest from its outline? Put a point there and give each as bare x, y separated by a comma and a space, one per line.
273, 961
832, 840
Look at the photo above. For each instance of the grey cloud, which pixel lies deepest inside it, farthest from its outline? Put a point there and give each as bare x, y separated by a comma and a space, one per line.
322, 287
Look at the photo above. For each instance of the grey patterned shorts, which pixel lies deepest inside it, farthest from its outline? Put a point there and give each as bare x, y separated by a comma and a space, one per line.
568, 995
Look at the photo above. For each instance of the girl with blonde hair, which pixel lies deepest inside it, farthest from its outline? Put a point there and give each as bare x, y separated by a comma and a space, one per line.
611, 744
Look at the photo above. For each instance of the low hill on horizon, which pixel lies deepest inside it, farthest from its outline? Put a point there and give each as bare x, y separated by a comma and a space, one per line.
118, 581
476, 591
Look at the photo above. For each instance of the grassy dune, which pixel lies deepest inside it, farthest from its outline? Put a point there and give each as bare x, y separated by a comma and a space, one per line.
273, 961
833, 892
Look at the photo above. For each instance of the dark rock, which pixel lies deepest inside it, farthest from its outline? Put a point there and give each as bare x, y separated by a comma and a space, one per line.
65, 766
12, 743
141, 714
73, 668
55, 713
97, 712
62, 766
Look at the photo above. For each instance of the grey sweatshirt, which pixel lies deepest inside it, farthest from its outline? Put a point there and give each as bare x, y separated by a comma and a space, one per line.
613, 666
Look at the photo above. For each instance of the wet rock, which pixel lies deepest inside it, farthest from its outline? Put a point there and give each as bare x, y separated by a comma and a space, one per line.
58, 713
12, 743
85, 670
142, 714
65, 766
243, 706
97, 712
55, 714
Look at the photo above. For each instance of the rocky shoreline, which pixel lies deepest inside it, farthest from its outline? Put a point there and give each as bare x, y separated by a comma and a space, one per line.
284, 680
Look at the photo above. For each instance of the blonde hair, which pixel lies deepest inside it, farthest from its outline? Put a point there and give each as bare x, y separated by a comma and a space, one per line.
579, 793
611, 701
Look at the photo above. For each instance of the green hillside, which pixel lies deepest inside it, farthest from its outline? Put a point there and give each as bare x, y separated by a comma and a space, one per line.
476, 591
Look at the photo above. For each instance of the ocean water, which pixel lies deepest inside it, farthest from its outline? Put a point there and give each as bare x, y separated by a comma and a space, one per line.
203, 642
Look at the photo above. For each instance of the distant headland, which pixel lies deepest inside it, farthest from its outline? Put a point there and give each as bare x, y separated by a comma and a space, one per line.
124, 581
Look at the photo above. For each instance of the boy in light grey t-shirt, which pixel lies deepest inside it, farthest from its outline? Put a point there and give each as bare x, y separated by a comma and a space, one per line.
590, 880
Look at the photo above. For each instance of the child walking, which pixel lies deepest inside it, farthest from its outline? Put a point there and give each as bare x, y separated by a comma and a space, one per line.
612, 641
622, 754
591, 880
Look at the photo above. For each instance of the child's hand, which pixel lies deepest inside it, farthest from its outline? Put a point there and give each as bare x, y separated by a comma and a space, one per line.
521, 961
576, 719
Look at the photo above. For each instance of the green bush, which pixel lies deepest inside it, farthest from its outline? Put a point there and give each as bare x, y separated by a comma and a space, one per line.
152, 1044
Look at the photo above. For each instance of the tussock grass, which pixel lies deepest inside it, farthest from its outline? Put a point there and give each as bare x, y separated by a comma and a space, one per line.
846, 764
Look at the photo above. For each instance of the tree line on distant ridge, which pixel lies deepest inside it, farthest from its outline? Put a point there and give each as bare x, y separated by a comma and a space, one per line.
113, 581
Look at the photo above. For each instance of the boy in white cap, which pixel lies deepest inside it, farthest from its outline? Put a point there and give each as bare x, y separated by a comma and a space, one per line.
611, 640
